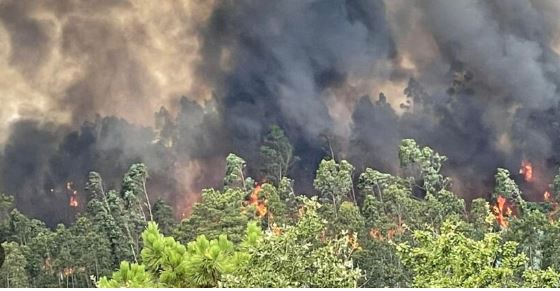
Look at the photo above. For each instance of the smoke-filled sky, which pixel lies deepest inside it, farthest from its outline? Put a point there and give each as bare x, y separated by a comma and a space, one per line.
81, 81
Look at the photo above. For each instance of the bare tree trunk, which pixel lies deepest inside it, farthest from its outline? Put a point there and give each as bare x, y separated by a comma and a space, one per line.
147, 199
353, 193
142, 210
133, 253
104, 197
129, 236
242, 179
334, 205
331, 149
96, 269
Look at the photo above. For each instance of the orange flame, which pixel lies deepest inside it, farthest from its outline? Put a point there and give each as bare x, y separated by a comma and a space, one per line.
73, 194
547, 196
553, 212
276, 230
526, 170
352, 242
73, 201
71, 270
68, 271
260, 205
502, 210
376, 234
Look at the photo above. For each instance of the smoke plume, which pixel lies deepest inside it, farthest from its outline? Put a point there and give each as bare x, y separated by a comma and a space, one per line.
178, 84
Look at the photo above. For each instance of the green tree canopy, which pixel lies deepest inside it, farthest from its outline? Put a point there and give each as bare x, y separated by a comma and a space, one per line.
451, 258
277, 155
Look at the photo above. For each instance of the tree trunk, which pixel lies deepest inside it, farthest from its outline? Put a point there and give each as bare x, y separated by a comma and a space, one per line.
147, 200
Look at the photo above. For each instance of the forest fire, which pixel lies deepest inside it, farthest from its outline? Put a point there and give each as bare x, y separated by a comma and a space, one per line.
185, 206
353, 243
68, 271
554, 210
502, 210
276, 230
376, 234
73, 201
260, 204
73, 195
526, 170
547, 196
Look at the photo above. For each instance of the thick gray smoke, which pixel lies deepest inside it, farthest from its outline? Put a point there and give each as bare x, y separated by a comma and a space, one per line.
288, 57
80, 83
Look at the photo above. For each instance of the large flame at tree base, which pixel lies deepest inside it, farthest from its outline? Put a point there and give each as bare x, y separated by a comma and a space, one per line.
260, 205
502, 210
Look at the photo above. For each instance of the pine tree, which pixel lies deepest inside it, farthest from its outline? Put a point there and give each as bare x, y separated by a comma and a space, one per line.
334, 181
277, 155
235, 172
218, 212
134, 190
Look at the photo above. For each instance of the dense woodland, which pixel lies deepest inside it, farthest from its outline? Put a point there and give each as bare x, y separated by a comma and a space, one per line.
368, 229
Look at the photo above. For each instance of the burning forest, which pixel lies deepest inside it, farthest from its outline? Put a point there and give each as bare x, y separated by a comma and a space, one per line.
367, 131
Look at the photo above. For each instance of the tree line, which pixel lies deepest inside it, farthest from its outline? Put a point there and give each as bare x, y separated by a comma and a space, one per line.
368, 229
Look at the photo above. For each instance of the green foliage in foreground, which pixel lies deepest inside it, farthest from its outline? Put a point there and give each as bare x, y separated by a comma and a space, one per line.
450, 259
168, 263
296, 256
369, 229
289, 257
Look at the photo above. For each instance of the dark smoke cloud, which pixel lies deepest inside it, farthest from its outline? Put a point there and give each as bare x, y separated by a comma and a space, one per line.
286, 55
476, 80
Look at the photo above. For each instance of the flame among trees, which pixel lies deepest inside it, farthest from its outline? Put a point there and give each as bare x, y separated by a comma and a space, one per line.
73, 194
357, 231
526, 170
502, 210
259, 203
